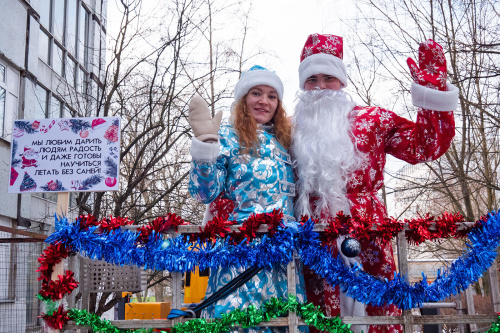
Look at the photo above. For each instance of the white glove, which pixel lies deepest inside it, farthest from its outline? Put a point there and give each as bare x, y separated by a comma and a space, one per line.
204, 127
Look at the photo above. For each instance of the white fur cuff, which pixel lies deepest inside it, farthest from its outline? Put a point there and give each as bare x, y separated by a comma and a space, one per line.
436, 100
204, 151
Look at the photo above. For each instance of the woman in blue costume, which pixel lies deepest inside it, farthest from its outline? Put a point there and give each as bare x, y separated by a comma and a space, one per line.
246, 161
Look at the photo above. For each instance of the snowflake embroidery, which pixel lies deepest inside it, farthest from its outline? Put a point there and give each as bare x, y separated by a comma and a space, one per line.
373, 173
328, 310
317, 291
362, 112
428, 43
315, 39
419, 77
431, 86
362, 139
396, 141
336, 302
421, 55
385, 116
361, 212
329, 49
388, 254
370, 256
431, 68
355, 181
438, 55
364, 125
307, 52
442, 78
333, 39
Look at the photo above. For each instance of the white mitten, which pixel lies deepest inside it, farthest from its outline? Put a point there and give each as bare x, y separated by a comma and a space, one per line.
204, 127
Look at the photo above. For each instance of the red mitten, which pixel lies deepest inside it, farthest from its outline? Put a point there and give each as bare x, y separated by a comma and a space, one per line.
431, 69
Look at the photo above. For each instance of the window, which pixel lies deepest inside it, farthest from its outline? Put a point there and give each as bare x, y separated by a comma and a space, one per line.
58, 60
71, 26
55, 108
2, 107
43, 47
70, 72
58, 20
82, 81
67, 113
9, 94
83, 35
41, 102
45, 15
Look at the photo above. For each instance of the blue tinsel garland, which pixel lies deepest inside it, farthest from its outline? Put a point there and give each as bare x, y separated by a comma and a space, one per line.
178, 255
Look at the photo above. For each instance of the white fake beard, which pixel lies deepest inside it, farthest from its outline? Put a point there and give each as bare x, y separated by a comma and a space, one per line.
324, 152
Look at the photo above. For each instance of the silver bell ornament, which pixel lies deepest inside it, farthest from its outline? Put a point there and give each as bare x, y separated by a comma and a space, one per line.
350, 247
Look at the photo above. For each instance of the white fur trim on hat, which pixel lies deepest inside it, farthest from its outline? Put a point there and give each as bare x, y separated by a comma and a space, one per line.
322, 63
258, 77
431, 99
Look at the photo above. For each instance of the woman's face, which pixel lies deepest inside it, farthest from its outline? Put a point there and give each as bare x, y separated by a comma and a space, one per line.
262, 102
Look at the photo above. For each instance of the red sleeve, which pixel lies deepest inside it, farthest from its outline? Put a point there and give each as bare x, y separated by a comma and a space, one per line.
425, 140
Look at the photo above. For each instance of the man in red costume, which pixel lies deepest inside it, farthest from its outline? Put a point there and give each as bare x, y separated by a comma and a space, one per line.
340, 151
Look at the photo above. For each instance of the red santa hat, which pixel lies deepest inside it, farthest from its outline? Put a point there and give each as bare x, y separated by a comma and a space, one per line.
322, 54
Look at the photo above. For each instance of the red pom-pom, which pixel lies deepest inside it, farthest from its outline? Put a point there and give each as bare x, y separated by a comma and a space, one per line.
159, 225
57, 319
218, 227
113, 223
52, 255
87, 221
56, 289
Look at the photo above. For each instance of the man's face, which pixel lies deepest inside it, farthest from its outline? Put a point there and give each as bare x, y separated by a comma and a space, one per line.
322, 81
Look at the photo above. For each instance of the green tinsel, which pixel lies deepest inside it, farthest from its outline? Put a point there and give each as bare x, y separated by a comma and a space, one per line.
251, 317
84, 318
495, 327
50, 305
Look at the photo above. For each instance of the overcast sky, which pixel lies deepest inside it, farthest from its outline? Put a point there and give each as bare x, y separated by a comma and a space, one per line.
281, 27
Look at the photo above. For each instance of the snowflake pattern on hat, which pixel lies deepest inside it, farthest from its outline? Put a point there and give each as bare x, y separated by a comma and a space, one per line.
328, 44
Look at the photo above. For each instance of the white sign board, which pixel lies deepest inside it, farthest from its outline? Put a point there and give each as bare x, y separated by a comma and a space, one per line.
65, 155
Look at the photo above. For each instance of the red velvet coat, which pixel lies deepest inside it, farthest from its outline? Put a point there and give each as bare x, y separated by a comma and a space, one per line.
379, 132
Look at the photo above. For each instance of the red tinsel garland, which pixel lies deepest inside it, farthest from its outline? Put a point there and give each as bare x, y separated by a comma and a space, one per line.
51, 256
420, 229
57, 319
56, 289
218, 227
87, 221
159, 225
113, 223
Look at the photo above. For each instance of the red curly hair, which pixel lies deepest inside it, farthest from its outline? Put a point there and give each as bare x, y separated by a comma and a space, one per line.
246, 127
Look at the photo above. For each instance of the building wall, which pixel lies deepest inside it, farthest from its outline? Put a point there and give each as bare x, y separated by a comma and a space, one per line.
42, 74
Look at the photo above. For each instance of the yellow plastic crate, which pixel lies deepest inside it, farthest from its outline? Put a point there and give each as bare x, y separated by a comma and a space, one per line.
150, 310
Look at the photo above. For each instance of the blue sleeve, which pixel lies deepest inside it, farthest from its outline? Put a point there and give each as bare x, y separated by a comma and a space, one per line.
207, 178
